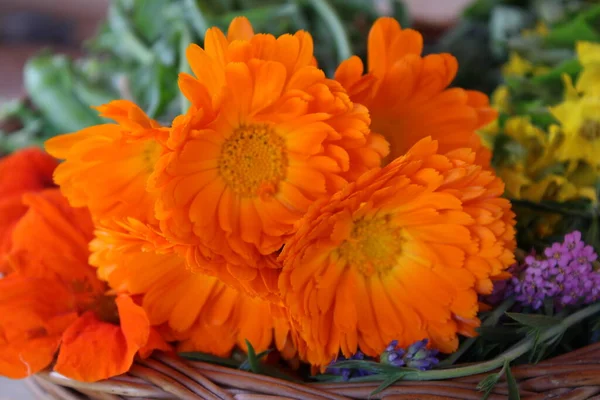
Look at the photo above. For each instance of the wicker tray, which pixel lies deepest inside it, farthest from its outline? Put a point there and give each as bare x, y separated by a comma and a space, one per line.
575, 376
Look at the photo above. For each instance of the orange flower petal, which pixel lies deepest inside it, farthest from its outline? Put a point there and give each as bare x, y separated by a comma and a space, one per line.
92, 350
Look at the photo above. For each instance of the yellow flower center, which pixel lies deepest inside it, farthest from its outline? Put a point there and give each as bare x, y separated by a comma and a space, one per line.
590, 130
374, 246
253, 160
150, 154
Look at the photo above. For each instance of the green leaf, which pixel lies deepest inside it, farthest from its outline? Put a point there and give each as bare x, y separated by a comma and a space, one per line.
122, 29
513, 387
246, 364
569, 67
488, 384
253, 359
366, 365
581, 28
390, 380
49, 83
196, 17
209, 358
332, 20
480, 9
535, 320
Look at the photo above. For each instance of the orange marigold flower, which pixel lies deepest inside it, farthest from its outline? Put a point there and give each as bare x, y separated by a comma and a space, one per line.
408, 96
266, 135
107, 166
401, 254
53, 301
199, 310
27, 170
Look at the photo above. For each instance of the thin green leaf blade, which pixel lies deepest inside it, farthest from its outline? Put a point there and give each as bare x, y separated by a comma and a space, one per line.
390, 380
513, 387
253, 360
534, 320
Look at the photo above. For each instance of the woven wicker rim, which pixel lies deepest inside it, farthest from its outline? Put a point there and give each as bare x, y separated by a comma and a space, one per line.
575, 375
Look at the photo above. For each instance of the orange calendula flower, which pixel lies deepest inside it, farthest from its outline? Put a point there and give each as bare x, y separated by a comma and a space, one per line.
408, 96
107, 166
401, 254
28, 170
266, 135
198, 310
52, 301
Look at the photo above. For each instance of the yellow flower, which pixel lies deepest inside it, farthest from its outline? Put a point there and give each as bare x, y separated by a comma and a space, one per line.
501, 99
534, 142
517, 65
589, 79
579, 129
515, 180
488, 133
540, 29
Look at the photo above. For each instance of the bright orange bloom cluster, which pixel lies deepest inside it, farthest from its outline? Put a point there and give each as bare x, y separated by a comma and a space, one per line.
198, 310
408, 96
51, 301
263, 213
266, 135
400, 254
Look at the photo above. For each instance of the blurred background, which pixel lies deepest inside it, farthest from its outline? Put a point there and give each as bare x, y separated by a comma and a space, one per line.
27, 26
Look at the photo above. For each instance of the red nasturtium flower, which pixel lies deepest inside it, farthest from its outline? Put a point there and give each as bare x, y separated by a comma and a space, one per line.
28, 170
52, 302
408, 96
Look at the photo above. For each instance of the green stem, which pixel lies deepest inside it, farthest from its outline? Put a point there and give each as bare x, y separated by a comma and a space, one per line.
511, 354
197, 18
331, 18
491, 320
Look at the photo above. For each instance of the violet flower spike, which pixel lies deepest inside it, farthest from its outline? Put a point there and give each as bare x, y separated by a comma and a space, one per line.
347, 373
416, 356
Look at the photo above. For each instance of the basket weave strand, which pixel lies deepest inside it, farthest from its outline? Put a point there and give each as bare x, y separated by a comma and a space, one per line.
575, 376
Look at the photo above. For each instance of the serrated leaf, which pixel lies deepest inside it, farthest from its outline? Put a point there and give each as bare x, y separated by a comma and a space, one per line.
513, 387
535, 320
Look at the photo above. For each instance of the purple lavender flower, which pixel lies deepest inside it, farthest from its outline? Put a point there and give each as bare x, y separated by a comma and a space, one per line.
567, 275
416, 356
347, 373
392, 355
